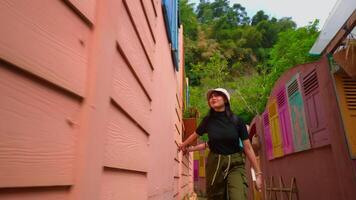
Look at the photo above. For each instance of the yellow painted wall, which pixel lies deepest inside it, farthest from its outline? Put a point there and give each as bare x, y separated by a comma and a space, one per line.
346, 89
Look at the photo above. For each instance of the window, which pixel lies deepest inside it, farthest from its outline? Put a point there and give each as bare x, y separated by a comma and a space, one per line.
267, 135
346, 90
275, 129
296, 108
284, 120
314, 109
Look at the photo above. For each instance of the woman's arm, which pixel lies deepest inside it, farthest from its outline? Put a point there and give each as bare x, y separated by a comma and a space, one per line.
198, 147
189, 140
252, 158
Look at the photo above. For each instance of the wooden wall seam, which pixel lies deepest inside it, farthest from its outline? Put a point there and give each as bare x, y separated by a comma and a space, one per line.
117, 105
27, 143
49, 39
154, 8
148, 21
134, 73
127, 9
178, 131
86, 17
145, 173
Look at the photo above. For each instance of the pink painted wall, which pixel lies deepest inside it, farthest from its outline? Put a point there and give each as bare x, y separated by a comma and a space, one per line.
91, 106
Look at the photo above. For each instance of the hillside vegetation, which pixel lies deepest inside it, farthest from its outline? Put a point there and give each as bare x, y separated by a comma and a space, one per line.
224, 47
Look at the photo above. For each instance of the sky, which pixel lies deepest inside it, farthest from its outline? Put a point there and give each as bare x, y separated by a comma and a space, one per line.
301, 11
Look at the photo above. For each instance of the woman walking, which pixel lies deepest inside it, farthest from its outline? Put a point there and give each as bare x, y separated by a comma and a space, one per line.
225, 167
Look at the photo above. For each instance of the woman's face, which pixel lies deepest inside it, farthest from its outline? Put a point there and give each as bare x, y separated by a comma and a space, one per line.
217, 101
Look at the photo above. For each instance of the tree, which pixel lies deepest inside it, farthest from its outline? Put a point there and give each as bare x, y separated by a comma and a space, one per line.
204, 12
189, 19
223, 48
213, 73
291, 49
258, 17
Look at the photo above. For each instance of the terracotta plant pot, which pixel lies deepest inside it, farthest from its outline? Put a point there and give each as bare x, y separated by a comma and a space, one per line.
190, 124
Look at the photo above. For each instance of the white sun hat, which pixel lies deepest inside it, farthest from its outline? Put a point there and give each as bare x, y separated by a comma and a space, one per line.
222, 90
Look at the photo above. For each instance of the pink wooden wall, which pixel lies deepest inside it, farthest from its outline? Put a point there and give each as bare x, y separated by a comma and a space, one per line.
325, 171
90, 105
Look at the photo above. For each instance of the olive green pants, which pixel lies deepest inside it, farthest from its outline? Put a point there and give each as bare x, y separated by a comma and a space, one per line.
225, 177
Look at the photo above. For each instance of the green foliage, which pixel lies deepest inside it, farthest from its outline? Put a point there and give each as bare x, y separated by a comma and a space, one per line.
224, 48
213, 73
189, 19
259, 16
191, 112
291, 49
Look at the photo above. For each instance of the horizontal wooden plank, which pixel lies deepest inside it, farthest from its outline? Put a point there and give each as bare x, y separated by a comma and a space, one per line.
37, 136
178, 99
177, 160
149, 12
177, 129
129, 93
154, 4
178, 115
185, 185
129, 40
47, 39
183, 174
120, 184
175, 195
136, 10
176, 169
142, 29
32, 193
126, 145
85, 9
175, 186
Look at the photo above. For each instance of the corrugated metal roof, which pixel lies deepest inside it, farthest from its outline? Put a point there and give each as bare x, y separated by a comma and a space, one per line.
342, 10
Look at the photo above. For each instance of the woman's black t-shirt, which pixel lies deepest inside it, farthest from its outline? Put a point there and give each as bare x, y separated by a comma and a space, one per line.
223, 133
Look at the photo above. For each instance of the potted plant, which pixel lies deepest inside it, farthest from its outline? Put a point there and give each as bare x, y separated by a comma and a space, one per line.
190, 117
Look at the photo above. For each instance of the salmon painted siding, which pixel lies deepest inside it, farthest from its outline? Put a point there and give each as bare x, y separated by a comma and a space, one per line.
27, 143
91, 104
44, 41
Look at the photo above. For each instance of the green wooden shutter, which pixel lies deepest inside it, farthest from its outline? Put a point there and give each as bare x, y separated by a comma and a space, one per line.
296, 106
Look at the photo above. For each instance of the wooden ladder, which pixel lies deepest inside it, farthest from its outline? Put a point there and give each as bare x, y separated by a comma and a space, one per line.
281, 189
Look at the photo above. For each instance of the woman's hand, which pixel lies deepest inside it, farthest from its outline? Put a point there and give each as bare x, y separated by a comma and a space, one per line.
182, 147
259, 182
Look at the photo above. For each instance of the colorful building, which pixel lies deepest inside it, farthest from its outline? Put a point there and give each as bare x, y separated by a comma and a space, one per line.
316, 119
